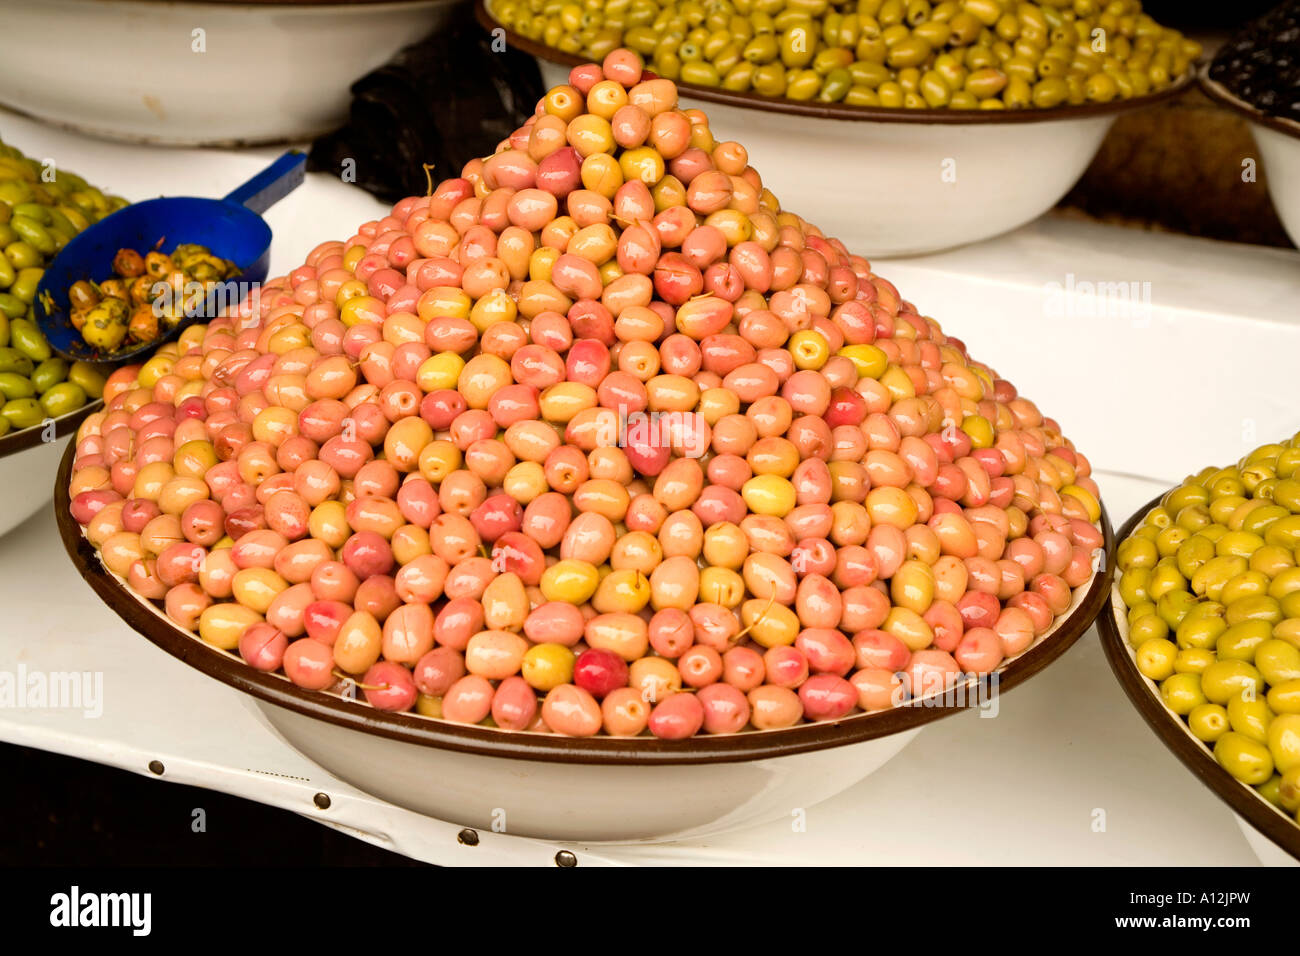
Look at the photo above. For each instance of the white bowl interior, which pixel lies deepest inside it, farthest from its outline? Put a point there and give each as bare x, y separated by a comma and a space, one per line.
904, 188
199, 73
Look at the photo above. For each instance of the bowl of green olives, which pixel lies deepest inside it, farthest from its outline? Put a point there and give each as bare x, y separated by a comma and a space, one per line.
931, 125
43, 403
1203, 633
43, 398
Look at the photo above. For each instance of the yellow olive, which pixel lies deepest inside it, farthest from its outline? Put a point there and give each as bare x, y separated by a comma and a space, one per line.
1247, 760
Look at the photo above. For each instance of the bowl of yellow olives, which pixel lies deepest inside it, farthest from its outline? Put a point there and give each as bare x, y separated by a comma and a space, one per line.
1203, 632
930, 125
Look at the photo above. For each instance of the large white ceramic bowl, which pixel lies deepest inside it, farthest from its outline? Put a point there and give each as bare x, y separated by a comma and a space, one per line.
899, 181
194, 73
1272, 835
27, 460
597, 789
1279, 149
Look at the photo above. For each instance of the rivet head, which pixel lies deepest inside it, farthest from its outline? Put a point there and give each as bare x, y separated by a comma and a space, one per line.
566, 859
468, 837
156, 767
322, 801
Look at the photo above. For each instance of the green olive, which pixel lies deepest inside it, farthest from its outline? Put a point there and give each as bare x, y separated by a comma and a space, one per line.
1284, 582
910, 52
1202, 627
1278, 661
91, 378
1194, 518
1165, 579
1240, 543
1250, 717
12, 360
1133, 585
1286, 494
1140, 610
1155, 658
1247, 760
1174, 606
1050, 91
1271, 790
1271, 561
27, 338
1209, 579
34, 234
1170, 539
23, 412
1193, 660
1284, 698
1255, 607
1284, 742
1240, 640
25, 284
1208, 722
50, 373
1147, 628
1184, 495
1287, 790
1284, 532
1137, 553
1248, 584
13, 385
1225, 679
1182, 692
1193, 554
63, 399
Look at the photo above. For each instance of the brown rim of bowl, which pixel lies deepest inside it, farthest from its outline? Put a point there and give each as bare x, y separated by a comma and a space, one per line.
26, 438
463, 738
1171, 729
1217, 92
843, 111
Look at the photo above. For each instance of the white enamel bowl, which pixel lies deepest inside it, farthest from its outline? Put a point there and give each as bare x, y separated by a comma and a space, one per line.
899, 181
27, 460
598, 789
193, 73
1279, 149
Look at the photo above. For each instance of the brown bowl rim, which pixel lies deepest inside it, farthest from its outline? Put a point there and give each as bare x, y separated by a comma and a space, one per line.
845, 111
25, 438
485, 741
1169, 727
1219, 93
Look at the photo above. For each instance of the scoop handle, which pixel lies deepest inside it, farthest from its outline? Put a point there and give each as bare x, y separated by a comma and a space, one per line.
273, 183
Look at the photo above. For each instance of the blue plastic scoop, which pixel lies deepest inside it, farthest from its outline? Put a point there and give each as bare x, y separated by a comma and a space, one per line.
232, 228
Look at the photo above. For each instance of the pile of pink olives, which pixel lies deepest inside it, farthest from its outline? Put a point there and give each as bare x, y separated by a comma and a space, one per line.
594, 438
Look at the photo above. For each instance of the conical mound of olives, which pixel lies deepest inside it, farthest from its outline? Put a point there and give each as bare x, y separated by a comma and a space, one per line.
594, 438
